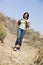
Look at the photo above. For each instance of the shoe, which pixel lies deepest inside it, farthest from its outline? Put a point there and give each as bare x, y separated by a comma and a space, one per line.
15, 49
18, 48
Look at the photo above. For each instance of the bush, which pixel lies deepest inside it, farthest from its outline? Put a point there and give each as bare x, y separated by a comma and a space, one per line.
2, 34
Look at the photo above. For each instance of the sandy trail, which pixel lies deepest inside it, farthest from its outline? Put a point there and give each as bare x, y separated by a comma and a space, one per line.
22, 57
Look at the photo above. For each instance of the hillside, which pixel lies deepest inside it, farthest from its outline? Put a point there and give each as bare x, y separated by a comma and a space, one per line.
8, 23
9, 57
31, 52
31, 35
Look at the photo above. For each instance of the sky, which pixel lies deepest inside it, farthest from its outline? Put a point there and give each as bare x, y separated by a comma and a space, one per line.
16, 8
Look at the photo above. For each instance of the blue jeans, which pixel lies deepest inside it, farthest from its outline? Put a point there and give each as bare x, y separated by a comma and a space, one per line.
20, 35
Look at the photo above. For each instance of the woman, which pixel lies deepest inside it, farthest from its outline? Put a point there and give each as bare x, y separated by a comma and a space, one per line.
23, 24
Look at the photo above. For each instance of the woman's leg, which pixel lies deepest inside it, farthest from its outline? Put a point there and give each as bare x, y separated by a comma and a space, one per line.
18, 36
22, 36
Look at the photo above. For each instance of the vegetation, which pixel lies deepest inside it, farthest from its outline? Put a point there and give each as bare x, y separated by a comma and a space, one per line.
2, 35
2, 32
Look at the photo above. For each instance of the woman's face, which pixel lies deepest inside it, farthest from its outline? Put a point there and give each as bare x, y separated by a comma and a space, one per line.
25, 16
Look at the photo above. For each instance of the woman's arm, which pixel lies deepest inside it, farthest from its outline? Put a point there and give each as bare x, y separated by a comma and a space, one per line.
27, 24
19, 22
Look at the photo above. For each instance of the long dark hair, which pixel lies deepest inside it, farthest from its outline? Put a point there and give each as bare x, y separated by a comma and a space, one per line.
27, 15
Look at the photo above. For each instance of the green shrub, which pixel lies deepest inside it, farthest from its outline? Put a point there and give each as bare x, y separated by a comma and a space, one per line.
2, 34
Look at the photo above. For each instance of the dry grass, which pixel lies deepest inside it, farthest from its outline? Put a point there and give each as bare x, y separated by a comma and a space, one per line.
28, 50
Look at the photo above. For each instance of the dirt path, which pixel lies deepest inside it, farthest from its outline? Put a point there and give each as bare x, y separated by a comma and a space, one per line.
22, 57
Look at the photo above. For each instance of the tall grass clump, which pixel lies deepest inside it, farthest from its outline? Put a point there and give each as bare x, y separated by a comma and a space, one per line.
2, 33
